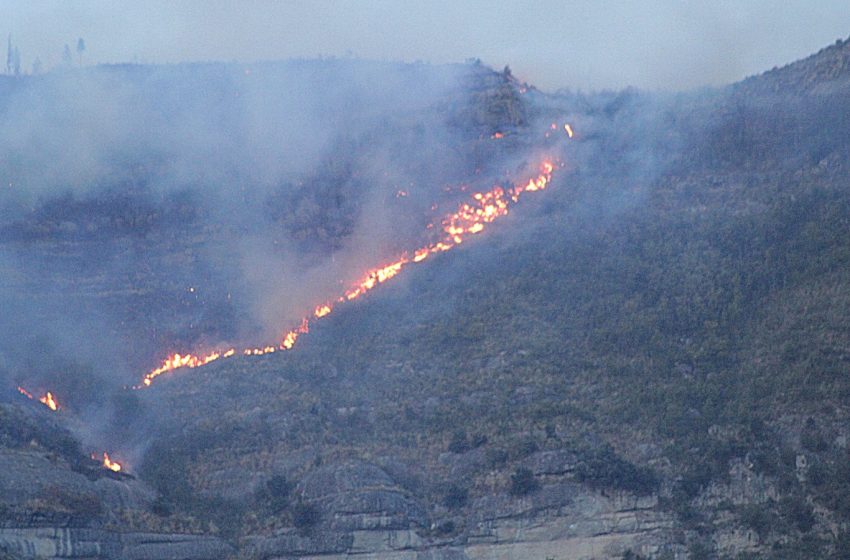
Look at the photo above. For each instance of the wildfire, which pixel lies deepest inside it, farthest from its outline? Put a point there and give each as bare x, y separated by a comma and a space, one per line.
107, 463
47, 399
322, 310
470, 218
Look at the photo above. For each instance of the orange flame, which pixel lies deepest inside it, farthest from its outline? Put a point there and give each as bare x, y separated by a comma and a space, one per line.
47, 399
322, 310
471, 218
107, 463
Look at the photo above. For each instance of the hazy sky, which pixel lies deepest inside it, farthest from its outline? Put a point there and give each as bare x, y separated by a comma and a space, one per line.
578, 44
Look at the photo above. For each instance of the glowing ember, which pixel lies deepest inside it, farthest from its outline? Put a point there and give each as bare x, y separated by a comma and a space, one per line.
47, 399
497, 135
569, 130
469, 219
107, 463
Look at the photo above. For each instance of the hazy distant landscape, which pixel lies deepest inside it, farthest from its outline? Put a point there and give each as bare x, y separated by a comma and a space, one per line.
647, 358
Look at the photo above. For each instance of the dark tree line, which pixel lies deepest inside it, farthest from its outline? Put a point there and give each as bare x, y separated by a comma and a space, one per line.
13, 57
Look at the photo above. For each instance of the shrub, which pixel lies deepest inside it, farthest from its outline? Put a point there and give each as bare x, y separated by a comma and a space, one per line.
304, 515
604, 468
84, 504
798, 513
161, 507
760, 518
523, 482
274, 494
842, 546
459, 443
446, 528
497, 457
456, 496
811, 438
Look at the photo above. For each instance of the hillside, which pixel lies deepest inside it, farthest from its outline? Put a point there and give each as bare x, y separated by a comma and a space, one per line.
646, 360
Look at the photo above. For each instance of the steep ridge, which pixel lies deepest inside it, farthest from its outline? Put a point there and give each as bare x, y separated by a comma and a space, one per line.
650, 360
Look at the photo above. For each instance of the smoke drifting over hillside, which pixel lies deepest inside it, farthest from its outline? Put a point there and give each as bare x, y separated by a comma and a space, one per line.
146, 210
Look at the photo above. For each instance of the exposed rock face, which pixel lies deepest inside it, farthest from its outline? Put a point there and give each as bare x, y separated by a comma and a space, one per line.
56, 542
365, 513
51, 511
360, 496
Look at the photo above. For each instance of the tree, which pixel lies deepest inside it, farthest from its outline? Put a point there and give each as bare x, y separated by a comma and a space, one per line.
9, 55
304, 515
81, 47
16, 62
67, 59
523, 482
275, 493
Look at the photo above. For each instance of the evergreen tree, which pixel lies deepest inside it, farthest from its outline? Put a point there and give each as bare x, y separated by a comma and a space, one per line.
9, 55
81, 47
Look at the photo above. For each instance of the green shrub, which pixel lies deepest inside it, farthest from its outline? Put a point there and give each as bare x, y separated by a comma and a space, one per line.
523, 482
459, 442
274, 494
305, 515
79, 503
161, 507
798, 513
604, 468
455, 497
760, 518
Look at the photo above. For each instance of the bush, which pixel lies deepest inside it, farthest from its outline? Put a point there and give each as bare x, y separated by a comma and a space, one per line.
446, 528
459, 443
274, 494
523, 482
759, 518
496, 457
478, 440
84, 504
524, 448
456, 496
798, 513
604, 468
842, 547
160, 507
304, 515
811, 438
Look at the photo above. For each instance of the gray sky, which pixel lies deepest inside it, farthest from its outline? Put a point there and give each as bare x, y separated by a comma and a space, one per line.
578, 44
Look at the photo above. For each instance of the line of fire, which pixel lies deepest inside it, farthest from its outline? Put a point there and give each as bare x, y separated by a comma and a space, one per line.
471, 218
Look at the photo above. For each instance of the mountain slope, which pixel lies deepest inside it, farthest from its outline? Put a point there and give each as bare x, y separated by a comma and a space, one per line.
648, 359
675, 330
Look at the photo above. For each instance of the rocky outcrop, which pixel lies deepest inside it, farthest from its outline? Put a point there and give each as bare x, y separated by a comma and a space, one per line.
366, 515
59, 543
51, 511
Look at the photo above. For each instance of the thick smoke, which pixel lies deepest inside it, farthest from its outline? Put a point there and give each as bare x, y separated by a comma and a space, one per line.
146, 210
